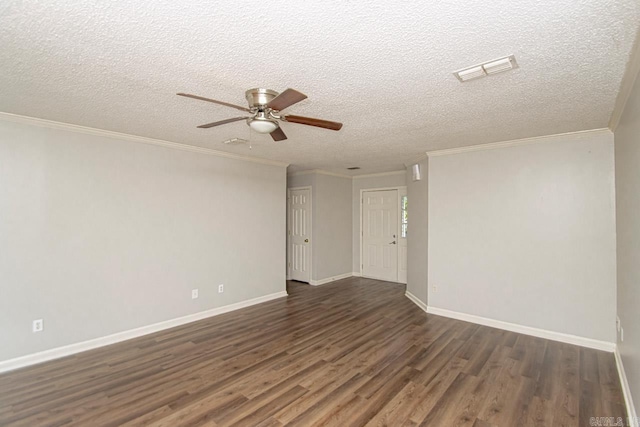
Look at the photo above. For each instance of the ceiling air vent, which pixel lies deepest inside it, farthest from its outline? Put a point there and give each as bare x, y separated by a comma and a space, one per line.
470, 74
499, 65
490, 67
354, 168
235, 141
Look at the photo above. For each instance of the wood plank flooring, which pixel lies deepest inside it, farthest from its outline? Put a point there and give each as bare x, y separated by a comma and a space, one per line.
352, 353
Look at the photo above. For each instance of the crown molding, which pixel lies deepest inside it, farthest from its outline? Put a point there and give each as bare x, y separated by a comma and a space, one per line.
514, 142
373, 175
16, 118
626, 85
324, 172
319, 172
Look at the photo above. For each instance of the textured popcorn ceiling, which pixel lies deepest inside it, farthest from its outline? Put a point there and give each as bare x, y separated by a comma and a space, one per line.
381, 67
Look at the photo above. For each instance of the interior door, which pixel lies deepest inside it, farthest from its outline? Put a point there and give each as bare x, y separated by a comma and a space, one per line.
380, 234
300, 234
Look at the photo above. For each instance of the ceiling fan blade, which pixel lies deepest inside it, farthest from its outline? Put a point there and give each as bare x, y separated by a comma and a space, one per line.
278, 135
222, 122
286, 99
226, 104
326, 124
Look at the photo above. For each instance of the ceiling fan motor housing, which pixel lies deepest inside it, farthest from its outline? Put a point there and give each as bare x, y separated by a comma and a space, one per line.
259, 97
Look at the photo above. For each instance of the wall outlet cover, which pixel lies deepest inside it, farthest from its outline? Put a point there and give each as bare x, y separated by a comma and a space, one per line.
194, 294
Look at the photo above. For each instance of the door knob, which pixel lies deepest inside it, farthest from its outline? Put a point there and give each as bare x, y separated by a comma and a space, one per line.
306, 240
393, 243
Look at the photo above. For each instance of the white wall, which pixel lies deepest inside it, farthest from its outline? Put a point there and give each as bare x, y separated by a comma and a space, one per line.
381, 181
417, 197
330, 223
627, 155
526, 234
99, 235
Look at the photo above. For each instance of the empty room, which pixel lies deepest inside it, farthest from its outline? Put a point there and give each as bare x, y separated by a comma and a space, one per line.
320, 214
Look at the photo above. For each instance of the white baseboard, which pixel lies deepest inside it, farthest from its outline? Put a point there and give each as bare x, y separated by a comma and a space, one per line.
56, 353
378, 278
521, 329
329, 279
626, 392
356, 274
416, 301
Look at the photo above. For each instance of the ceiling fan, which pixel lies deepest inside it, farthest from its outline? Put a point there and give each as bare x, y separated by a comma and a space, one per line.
265, 106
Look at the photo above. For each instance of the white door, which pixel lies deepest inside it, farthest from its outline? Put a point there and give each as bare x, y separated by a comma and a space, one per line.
300, 234
380, 234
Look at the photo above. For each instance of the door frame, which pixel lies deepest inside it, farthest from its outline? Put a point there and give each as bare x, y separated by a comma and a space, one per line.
402, 191
306, 187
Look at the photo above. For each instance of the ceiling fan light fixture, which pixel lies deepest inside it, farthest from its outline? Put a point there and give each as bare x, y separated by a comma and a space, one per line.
262, 124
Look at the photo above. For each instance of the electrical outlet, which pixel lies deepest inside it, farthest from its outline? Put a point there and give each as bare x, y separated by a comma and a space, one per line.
220, 289
38, 325
194, 293
435, 288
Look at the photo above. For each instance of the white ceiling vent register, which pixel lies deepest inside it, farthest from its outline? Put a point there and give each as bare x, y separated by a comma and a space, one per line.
235, 141
491, 67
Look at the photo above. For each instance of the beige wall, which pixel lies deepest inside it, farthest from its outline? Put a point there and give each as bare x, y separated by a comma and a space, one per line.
627, 155
99, 235
332, 227
526, 234
307, 180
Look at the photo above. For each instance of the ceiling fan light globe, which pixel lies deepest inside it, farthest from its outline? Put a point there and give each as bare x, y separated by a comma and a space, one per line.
263, 126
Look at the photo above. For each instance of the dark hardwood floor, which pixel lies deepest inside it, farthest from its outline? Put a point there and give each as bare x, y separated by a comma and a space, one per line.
355, 352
